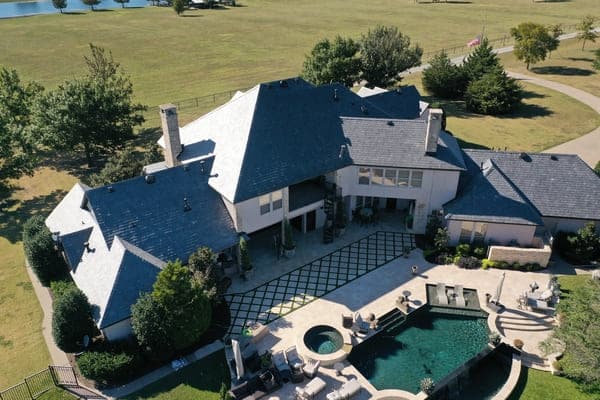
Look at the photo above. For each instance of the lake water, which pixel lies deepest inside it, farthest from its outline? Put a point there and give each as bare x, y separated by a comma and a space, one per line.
21, 9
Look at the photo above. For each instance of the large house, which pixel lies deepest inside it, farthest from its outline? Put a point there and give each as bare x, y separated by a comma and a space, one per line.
291, 150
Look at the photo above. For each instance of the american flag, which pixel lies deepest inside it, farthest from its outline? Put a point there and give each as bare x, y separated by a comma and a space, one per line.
474, 42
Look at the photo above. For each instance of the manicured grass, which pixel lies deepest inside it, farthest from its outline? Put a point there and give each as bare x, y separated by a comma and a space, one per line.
536, 385
569, 283
207, 51
546, 119
56, 394
200, 380
568, 64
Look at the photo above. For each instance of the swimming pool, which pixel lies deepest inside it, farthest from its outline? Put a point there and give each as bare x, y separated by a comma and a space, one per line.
428, 344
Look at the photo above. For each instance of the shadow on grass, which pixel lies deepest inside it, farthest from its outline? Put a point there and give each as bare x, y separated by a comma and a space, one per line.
584, 59
198, 380
562, 70
16, 212
520, 387
445, 2
73, 13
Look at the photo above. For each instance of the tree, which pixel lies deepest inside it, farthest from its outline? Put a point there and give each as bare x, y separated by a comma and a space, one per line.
444, 79
41, 252
122, 2
179, 6
481, 61
586, 30
72, 320
185, 302
533, 42
335, 61
596, 62
17, 142
442, 238
597, 168
586, 244
202, 264
94, 113
91, 3
59, 5
495, 93
385, 52
149, 322
555, 30
125, 164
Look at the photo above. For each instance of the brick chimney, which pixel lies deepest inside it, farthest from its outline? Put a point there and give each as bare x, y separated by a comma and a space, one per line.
434, 126
170, 128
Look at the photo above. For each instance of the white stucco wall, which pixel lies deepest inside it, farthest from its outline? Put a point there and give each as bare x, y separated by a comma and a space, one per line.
498, 233
248, 217
554, 225
437, 188
120, 330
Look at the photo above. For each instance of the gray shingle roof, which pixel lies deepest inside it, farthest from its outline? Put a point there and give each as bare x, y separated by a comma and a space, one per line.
152, 216
72, 245
135, 276
557, 185
488, 196
400, 103
398, 143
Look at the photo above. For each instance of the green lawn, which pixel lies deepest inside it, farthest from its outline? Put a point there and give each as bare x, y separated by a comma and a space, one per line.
56, 394
538, 385
546, 119
568, 64
200, 380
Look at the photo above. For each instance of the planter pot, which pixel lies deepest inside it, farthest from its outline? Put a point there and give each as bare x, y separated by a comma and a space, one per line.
289, 253
248, 272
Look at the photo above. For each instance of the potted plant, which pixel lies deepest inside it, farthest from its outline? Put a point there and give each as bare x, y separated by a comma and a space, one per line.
518, 343
289, 247
427, 385
406, 251
495, 338
246, 263
341, 219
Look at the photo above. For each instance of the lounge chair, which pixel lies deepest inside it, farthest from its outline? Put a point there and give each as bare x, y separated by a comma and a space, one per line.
311, 389
311, 368
347, 321
360, 326
538, 305
459, 296
347, 391
282, 366
441, 294
293, 359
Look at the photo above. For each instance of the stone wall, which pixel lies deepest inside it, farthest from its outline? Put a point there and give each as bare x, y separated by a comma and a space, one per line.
521, 255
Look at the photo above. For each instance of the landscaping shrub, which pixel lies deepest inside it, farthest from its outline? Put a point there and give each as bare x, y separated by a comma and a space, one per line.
480, 251
494, 93
106, 367
579, 248
444, 79
60, 287
40, 250
486, 263
431, 255
434, 222
463, 250
72, 320
518, 343
468, 262
441, 239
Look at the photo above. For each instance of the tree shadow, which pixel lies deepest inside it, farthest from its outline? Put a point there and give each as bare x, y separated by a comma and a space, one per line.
528, 94
463, 144
584, 59
17, 212
190, 16
146, 137
445, 2
73, 13
562, 70
102, 10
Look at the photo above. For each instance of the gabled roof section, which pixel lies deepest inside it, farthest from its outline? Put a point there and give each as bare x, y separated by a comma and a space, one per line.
398, 143
73, 245
557, 185
486, 195
170, 217
401, 103
136, 275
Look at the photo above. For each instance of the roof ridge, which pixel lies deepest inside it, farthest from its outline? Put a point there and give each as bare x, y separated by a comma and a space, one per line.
412, 120
143, 254
516, 188
113, 285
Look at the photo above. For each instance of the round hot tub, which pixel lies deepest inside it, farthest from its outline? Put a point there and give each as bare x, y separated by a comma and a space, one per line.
323, 339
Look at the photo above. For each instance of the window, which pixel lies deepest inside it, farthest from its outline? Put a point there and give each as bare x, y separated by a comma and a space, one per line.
363, 175
265, 204
377, 178
466, 230
359, 201
403, 175
479, 233
416, 179
277, 199
390, 177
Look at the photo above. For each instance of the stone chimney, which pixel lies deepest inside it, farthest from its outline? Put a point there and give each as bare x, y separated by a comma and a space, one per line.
434, 126
170, 128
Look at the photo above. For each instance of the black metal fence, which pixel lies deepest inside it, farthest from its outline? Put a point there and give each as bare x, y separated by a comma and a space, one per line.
39, 383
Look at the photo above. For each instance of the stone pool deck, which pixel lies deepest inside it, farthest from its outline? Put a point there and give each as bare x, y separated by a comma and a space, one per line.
377, 291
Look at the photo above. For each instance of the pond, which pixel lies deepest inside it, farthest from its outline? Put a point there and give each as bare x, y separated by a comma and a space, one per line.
22, 9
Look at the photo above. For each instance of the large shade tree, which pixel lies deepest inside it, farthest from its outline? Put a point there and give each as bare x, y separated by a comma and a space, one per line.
94, 113
533, 42
385, 52
586, 30
72, 320
333, 61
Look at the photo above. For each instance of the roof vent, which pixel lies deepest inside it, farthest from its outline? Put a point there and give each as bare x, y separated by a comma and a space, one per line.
110, 189
525, 157
390, 123
186, 167
398, 90
150, 179
186, 205
86, 245
343, 149
364, 109
283, 83
202, 167
553, 157
335, 96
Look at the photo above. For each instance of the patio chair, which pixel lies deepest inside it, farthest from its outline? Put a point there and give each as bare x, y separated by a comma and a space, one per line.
538, 305
347, 391
293, 359
311, 389
459, 296
282, 366
347, 321
311, 368
441, 294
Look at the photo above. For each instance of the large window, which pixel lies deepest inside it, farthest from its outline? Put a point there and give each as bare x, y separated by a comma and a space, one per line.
390, 177
265, 204
277, 199
403, 175
416, 179
364, 175
377, 178
479, 232
466, 230
472, 232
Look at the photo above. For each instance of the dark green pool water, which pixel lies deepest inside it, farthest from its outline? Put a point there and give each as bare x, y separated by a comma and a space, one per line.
427, 345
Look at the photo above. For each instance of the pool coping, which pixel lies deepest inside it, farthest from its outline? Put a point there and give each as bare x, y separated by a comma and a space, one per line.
326, 360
